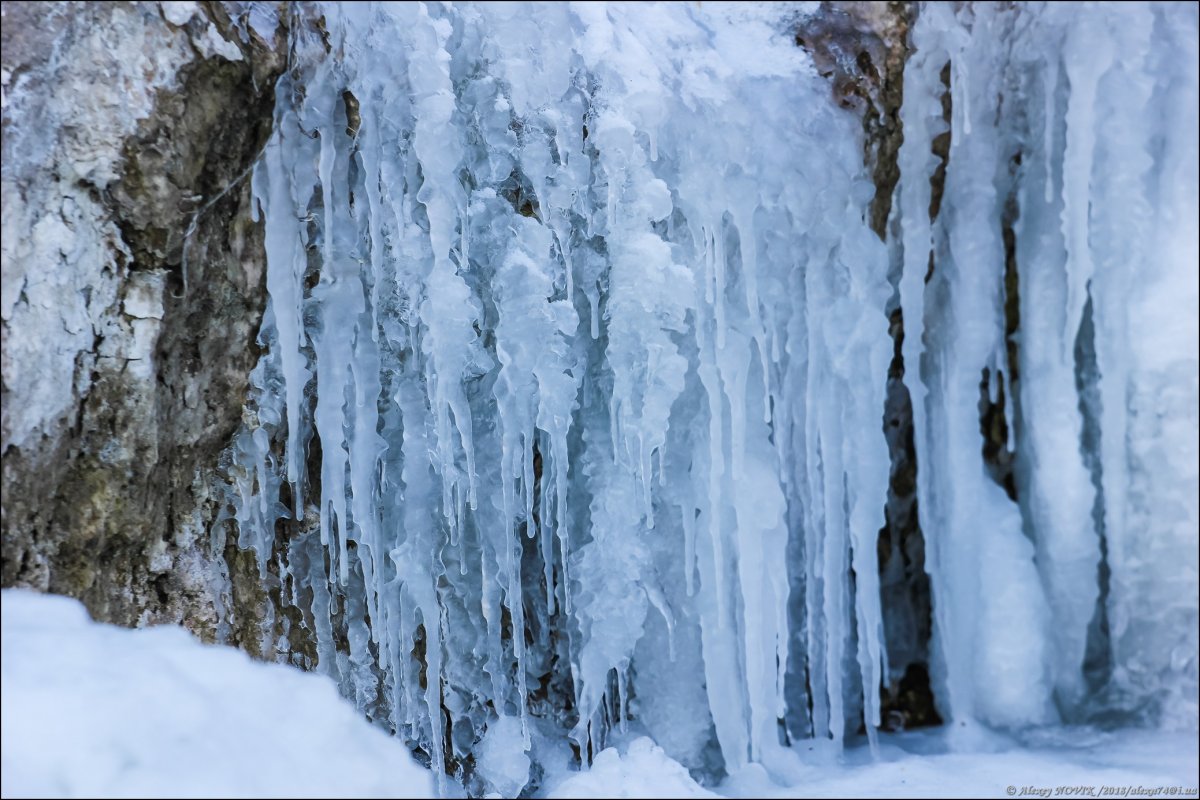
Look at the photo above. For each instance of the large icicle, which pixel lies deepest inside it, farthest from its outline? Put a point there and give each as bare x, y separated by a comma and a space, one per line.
1054, 116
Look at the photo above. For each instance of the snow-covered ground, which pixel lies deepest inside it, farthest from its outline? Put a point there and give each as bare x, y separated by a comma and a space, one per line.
1058, 763
95, 710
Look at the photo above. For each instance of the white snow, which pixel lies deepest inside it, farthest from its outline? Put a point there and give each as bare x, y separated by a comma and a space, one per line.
641, 769
92, 710
915, 765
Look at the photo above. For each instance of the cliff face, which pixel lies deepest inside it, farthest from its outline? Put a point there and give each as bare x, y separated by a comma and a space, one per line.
132, 293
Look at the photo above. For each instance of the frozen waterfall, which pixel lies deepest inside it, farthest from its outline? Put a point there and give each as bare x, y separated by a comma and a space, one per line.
569, 416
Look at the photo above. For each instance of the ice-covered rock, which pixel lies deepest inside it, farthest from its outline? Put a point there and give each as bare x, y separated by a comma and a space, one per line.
126, 129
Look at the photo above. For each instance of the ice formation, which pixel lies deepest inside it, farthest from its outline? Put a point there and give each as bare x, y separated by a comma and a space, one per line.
575, 363
1072, 164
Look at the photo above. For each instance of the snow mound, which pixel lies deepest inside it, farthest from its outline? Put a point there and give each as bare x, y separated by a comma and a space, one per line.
644, 770
1143, 763
1052, 762
94, 710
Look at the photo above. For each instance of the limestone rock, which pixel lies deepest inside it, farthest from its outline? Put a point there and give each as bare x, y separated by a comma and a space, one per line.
129, 129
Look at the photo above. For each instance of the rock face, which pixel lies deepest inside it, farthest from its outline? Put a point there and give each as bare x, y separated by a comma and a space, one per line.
132, 293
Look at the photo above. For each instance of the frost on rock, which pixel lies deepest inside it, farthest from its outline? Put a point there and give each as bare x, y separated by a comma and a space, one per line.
569, 418
122, 384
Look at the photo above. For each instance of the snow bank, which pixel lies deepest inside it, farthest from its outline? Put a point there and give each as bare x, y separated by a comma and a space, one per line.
94, 710
916, 765
643, 770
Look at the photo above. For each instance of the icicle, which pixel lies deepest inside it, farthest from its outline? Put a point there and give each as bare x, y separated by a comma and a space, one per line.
1087, 53
655, 595
689, 547
285, 265
545, 534
1050, 99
